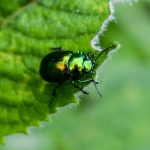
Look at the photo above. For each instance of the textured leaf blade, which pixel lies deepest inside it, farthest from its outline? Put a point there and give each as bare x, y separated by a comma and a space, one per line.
28, 30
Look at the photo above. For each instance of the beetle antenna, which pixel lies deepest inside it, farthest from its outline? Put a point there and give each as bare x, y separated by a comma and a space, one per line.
96, 86
104, 51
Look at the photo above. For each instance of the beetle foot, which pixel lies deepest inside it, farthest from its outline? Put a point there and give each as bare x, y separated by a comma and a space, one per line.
85, 92
57, 48
92, 72
51, 102
98, 82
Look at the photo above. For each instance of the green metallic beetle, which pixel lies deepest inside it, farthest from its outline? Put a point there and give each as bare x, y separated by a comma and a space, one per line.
59, 66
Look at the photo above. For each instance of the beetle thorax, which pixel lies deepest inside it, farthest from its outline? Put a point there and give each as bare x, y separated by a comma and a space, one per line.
76, 66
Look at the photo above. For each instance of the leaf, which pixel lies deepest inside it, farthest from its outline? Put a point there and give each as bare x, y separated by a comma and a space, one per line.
27, 30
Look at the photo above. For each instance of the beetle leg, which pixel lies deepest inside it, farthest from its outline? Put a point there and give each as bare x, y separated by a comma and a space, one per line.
53, 94
85, 80
94, 63
92, 56
79, 87
88, 54
97, 82
57, 48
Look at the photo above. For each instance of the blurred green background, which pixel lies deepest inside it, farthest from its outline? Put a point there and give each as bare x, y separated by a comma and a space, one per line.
120, 120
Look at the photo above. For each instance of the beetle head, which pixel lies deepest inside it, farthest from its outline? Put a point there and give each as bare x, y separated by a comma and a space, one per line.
87, 66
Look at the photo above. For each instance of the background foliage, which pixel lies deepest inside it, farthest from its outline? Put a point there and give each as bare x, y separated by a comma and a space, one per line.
119, 120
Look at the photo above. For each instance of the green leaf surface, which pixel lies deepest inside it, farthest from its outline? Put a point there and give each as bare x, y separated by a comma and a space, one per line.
27, 31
